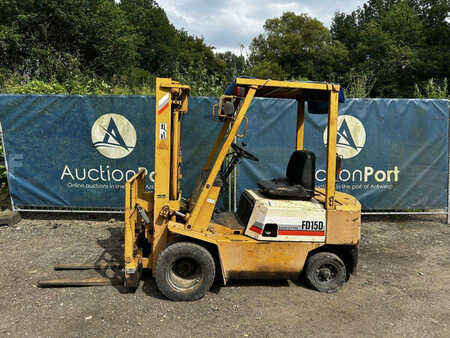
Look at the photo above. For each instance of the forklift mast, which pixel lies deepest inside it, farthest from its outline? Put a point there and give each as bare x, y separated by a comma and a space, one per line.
171, 104
147, 212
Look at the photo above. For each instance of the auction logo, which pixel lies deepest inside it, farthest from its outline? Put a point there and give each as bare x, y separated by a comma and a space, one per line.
113, 136
351, 136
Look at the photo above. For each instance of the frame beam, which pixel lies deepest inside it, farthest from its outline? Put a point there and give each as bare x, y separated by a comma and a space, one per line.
331, 150
300, 123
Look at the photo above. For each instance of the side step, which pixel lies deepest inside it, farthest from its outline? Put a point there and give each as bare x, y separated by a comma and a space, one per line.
96, 281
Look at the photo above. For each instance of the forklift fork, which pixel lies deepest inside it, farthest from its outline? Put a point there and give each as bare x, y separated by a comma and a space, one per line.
95, 281
137, 233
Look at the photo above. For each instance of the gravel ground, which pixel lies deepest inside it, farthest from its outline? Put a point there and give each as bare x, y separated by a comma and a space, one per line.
402, 288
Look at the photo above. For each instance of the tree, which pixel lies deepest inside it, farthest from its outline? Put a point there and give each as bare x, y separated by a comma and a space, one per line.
46, 34
400, 42
195, 53
299, 46
165, 51
234, 65
158, 40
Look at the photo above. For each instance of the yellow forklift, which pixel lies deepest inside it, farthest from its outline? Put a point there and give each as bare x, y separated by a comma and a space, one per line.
284, 228
281, 229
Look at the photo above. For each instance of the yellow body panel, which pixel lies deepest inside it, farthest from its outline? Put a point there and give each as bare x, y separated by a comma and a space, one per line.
206, 210
244, 257
263, 260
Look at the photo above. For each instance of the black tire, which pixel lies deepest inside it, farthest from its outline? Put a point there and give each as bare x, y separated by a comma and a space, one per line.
325, 272
184, 271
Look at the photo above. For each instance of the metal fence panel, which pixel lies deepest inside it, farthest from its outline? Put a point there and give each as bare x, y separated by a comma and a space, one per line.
77, 151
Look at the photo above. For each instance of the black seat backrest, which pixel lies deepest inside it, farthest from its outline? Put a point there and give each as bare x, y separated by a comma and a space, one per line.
301, 169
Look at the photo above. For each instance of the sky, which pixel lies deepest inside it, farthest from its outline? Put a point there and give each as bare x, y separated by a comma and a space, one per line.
226, 24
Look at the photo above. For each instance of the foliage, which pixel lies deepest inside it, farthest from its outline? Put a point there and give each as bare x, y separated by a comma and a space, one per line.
202, 83
359, 84
268, 70
432, 89
38, 87
233, 65
296, 46
195, 54
402, 42
39, 33
158, 40
78, 85
120, 47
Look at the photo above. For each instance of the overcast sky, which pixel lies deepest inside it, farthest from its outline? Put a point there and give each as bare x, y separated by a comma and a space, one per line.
226, 24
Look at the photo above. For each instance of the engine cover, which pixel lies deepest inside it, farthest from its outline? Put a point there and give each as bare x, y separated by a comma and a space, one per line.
284, 220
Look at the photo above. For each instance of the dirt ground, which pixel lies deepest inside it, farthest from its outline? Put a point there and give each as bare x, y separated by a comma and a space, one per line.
402, 288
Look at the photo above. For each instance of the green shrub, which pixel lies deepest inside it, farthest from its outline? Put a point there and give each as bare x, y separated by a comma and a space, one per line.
86, 85
359, 83
36, 87
432, 89
201, 81
4, 75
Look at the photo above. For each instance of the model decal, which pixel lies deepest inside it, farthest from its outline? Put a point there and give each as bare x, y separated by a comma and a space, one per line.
312, 225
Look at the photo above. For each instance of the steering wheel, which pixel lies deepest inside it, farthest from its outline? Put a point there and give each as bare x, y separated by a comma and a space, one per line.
241, 152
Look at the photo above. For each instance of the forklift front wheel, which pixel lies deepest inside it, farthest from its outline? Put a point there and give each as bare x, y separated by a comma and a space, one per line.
325, 272
184, 271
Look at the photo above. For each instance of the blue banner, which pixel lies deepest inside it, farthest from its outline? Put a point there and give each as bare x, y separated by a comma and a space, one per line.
78, 151
395, 150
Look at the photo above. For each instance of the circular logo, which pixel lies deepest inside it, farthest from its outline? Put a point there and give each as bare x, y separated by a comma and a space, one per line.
351, 136
113, 136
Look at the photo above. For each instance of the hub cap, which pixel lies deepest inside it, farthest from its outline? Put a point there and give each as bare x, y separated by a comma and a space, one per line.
185, 274
326, 273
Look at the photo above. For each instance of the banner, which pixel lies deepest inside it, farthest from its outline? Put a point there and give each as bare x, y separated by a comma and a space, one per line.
395, 151
78, 151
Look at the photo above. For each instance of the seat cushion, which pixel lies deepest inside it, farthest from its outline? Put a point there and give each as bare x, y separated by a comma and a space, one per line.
281, 189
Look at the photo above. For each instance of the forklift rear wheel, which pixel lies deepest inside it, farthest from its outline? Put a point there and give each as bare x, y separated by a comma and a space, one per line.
184, 271
325, 272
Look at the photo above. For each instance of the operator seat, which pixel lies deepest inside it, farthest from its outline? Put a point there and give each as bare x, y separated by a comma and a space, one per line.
299, 182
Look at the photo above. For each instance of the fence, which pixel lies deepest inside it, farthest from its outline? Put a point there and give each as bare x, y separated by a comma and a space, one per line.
75, 152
